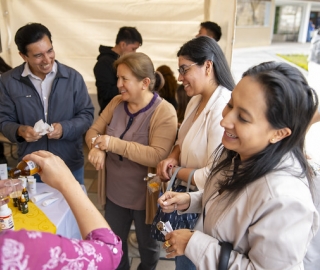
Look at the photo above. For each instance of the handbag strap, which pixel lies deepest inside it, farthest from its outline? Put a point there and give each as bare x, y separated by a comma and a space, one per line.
190, 179
224, 257
173, 178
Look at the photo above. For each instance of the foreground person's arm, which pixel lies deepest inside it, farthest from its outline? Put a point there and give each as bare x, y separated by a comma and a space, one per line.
57, 175
101, 248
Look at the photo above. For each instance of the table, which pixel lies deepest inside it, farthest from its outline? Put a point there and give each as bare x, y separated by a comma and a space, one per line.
59, 212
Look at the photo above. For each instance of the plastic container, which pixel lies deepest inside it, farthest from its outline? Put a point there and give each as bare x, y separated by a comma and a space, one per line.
6, 219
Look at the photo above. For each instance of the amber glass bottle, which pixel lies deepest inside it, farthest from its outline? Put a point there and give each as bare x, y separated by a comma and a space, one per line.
24, 168
25, 194
23, 205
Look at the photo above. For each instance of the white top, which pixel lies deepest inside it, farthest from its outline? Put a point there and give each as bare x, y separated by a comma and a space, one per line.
198, 140
43, 87
270, 223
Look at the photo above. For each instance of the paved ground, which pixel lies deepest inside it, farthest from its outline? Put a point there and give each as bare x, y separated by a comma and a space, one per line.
242, 60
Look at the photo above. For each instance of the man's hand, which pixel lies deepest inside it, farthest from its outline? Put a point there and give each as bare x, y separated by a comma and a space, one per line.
28, 133
56, 133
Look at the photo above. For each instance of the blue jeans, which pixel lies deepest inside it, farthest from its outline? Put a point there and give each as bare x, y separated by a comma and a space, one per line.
78, 175
183, 263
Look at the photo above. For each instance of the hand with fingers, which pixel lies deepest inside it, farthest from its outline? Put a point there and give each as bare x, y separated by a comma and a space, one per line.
97, 158
176, 242
164, 167
57, 132
171, 201
102, 141
28, 133
54, 171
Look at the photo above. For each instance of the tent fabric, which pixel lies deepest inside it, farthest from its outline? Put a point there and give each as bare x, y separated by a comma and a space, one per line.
78, 27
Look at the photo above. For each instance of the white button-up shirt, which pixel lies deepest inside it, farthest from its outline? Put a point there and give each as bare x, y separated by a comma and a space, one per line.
43, 87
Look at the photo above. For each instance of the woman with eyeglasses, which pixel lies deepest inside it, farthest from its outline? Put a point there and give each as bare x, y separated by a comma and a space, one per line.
258, 197
206, 77
131, 136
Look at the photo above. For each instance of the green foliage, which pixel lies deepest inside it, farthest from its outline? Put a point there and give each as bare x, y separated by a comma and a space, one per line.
300, 60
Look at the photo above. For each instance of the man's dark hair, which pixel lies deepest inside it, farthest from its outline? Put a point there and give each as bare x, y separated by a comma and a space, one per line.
30, 33
129, 35
213, 29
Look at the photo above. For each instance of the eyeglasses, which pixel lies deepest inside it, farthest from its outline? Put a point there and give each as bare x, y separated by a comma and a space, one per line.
183, 69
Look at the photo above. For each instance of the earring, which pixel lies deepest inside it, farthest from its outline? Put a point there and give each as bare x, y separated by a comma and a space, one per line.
272, 140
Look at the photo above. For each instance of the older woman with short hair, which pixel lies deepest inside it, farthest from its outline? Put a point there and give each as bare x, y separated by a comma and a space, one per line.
137, 129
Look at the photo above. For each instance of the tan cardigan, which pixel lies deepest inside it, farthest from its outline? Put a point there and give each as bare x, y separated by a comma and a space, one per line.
162, 134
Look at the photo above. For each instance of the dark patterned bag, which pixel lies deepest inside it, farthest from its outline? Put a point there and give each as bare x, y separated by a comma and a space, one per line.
184, 221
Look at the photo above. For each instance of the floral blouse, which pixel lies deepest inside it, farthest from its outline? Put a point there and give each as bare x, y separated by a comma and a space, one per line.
23, 249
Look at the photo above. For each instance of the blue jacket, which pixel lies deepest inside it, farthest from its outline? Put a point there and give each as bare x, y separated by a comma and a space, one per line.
69, 104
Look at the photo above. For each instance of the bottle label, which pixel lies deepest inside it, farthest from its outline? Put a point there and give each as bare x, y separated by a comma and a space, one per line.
24, 208
32, 166
6, 223
26, 195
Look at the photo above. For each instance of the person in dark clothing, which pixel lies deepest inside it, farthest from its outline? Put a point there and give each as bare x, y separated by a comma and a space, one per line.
210, 29
128, 40
3, 68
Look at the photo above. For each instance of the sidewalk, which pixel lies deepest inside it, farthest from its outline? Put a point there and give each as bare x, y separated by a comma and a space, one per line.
242, 59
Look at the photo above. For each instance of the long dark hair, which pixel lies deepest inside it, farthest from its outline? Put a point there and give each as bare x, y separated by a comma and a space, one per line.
183, 100
291, 103
204, 48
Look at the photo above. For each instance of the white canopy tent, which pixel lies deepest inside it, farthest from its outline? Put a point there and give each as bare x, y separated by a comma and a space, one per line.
78, 27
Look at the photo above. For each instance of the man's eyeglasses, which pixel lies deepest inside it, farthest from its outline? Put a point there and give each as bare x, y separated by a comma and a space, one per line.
183, 69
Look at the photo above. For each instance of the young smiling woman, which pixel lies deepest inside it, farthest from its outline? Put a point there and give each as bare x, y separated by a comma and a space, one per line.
206, 77
258, 196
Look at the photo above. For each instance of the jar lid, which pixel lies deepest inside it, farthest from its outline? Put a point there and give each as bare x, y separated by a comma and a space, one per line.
4, 207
